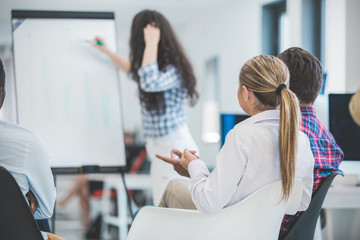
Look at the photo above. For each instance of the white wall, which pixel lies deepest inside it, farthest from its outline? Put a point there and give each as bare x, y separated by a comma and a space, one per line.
352, 43
294, 14
5, 30
342, 50
335, 45
342, 37
334, 56
232, 32
8, 111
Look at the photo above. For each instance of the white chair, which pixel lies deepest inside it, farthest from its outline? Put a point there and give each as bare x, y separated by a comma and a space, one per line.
258, 216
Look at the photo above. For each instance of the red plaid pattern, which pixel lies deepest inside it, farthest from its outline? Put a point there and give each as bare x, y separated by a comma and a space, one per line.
328, 155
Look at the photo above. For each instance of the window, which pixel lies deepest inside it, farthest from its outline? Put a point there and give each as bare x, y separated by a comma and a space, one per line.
272, 19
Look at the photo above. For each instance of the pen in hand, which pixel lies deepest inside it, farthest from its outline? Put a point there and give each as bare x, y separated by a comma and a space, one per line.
97, 42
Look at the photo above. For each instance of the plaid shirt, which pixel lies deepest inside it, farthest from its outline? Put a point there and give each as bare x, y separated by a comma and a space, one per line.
328, 155
169, 81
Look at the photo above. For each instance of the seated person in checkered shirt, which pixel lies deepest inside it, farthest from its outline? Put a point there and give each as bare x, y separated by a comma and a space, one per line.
306, 81
165, 79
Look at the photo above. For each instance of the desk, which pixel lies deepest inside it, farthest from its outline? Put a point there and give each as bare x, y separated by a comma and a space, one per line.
342, 196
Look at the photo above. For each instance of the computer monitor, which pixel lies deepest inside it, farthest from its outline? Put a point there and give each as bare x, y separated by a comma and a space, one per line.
345, 131
322, 89
228, 121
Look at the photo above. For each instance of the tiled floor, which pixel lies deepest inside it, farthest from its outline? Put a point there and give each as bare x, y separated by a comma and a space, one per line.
69, 229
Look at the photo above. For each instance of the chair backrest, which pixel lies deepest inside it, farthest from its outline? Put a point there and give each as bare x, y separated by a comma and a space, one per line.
16, 219
258, 216
304, 226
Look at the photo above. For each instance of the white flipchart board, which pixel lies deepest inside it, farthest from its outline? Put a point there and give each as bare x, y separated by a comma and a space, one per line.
68, 91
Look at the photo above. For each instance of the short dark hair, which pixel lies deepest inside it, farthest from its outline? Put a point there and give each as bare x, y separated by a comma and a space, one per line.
2, 75
305, 73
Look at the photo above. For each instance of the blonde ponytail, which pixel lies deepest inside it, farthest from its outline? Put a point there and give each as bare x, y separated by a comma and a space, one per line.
267, 77
288, 136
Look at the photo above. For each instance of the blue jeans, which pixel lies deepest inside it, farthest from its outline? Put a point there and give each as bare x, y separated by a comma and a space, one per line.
137, 211
43, 225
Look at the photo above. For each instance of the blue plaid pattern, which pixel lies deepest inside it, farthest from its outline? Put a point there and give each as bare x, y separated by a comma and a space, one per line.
168, 81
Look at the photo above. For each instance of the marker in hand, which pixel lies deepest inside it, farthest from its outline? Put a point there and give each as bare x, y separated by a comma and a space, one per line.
96, 42
99, 43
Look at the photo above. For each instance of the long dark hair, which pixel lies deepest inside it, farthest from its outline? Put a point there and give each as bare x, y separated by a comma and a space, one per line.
169, 52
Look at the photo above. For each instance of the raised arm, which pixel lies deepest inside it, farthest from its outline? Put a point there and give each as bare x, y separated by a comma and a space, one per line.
151, 39
120, 62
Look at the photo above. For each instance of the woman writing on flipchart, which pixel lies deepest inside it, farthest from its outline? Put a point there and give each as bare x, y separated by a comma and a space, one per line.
165, 80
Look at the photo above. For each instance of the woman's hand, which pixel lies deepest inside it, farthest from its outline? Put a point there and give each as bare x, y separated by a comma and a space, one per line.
187, 157
151, 35
176, 161
120, 62
100, 43
33, 203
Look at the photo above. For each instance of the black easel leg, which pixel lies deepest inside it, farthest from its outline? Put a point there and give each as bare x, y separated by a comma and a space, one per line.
128, 197
54, 212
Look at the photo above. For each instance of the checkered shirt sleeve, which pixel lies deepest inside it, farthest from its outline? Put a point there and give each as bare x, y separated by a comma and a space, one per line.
168, 81
154, 80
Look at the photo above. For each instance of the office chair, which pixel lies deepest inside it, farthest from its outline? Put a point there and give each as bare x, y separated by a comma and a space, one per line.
258, 216
16, 219
303, 227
